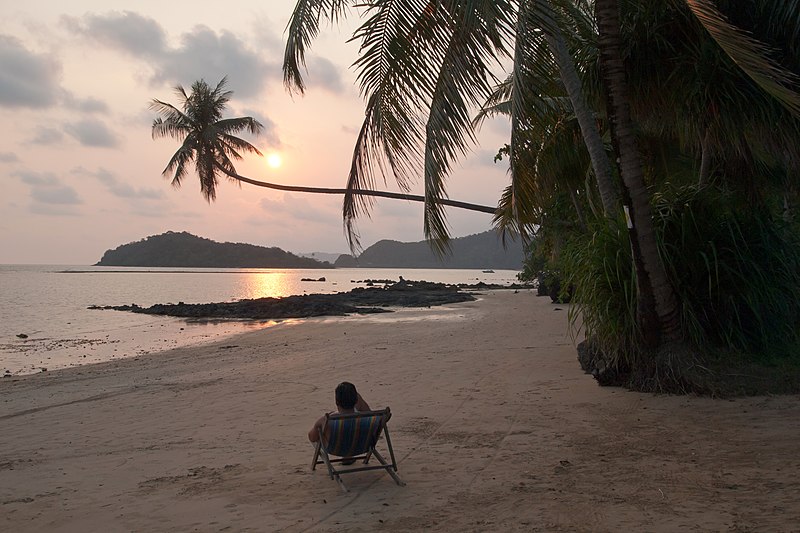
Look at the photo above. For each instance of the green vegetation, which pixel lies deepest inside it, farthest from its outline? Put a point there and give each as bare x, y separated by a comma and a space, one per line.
654, 152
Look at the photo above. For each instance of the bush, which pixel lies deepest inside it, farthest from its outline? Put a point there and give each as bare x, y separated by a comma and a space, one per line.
736, 272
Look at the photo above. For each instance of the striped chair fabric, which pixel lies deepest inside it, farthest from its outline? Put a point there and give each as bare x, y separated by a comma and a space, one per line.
352, 436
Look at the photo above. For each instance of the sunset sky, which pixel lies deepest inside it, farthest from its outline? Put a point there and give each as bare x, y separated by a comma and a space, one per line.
81, 173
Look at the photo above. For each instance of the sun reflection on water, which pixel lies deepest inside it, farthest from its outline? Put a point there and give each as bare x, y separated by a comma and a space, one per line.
273, 284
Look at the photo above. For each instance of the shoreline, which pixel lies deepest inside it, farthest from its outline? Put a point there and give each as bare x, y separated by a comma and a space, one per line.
495, 428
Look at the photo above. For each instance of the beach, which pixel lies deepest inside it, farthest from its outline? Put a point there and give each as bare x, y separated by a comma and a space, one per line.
494, 425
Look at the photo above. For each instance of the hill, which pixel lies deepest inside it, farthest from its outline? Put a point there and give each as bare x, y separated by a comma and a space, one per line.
183, 249
480, 251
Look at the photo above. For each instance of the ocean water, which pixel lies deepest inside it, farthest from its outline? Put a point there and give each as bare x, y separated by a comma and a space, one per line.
47, 304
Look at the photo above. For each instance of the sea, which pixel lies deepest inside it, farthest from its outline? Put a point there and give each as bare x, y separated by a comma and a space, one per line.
46, 323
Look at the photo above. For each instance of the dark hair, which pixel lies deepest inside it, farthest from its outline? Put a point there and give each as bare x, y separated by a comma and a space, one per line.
346, 395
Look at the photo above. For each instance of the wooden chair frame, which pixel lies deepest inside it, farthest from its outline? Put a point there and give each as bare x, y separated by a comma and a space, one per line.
322, 455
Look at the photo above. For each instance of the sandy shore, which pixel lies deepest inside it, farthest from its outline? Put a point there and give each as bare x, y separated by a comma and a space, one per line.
495, 426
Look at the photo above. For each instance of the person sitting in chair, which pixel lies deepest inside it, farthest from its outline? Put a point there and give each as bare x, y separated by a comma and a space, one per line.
348, 400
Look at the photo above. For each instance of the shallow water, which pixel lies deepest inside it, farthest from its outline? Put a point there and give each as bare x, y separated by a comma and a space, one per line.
48, 304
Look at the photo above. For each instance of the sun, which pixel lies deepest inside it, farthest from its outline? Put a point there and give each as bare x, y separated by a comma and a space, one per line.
274, 160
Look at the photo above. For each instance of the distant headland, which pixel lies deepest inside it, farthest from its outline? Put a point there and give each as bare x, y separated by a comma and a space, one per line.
182, 249
173, 249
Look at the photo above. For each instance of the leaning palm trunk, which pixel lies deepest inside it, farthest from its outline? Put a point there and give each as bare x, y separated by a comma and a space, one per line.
589, 130
652, 277
359, 192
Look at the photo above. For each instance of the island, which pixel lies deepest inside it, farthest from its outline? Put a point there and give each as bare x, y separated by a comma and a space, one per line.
182, 249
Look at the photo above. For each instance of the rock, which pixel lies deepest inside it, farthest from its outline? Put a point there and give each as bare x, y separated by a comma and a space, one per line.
22, 336
606, 371
359, 300
541, 285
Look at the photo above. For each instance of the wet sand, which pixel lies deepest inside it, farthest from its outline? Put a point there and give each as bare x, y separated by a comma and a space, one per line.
495, 427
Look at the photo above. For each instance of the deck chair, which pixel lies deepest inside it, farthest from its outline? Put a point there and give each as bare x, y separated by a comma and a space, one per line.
352, 437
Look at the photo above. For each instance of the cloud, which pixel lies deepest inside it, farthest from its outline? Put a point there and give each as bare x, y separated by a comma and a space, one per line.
53, 210
90, 132
26, 79
57, 194
50, 196
202, 53
84, 105
128, 31
32, 80
37, 178
350, 130
298, 209
8, 157
46, 136
322, 72
205, 54
119, 188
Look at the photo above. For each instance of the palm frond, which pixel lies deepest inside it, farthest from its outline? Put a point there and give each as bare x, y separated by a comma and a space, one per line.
235, 125
477, 31
235, 143
366, 155
532, 114
398, 64
498, 103
172, 123
178, 163
302, 29
174, 130
394, 74
751, 55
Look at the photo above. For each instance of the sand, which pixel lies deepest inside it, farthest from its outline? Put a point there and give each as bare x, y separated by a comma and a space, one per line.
495, 427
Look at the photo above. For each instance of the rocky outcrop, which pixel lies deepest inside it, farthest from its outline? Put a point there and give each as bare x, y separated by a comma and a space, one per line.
607, 372
359, 300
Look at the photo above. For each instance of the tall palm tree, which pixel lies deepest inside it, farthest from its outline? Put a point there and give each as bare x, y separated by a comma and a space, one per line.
656, 294
424, 63
209, 142
751, 60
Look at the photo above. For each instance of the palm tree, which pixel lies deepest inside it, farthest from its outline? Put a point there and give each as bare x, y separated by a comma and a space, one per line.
207, 138
423, 64
209, 142
655, 293
754, 92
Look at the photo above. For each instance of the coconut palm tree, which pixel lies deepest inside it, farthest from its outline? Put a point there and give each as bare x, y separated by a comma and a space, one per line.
209, 142
752, 60
423, 66
424, 63
207, 138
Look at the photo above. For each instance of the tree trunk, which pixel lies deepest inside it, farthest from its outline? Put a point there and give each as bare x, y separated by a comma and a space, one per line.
578, 209
589, 130
665, 300
365, 192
